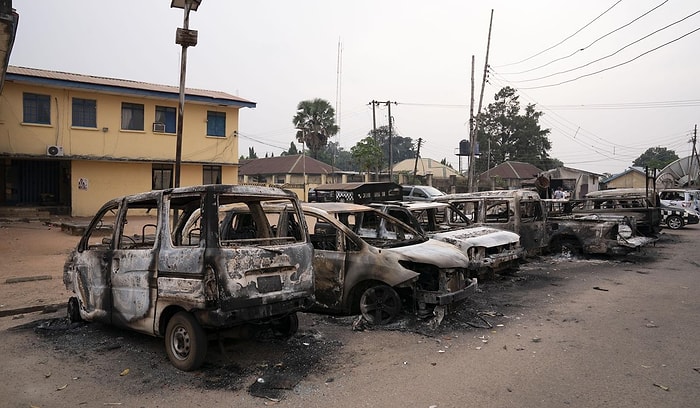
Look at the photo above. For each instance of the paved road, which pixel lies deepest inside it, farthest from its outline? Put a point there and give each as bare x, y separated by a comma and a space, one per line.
565, 333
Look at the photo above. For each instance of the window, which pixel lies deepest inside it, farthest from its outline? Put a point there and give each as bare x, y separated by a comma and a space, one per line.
37, 109
216, 124
166, 116
162, 176
84, 112
211, 174
132, 116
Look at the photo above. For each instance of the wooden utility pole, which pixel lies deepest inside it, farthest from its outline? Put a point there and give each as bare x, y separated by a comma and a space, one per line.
481, 99
391, 147
415, 166
694, 162
472, 139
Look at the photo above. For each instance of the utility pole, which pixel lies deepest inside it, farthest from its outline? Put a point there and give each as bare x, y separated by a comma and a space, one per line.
374, 133
391, 146
693, 176
472, 139
481, 98
415, 166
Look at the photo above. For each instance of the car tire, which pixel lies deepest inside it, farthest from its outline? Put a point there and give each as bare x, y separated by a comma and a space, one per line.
74, 310
380, 304
674, 222
285, 327
185, 342
567, 246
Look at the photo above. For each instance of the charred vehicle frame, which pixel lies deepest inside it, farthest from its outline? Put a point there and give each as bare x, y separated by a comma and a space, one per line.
591, 233
489, 249
165, 270
368, 262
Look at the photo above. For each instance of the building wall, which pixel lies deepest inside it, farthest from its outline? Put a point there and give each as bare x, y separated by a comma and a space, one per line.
113, 161
629, 180
107, 140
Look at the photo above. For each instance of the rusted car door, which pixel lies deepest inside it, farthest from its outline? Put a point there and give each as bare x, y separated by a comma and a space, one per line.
133, 266
91, 262
329, 262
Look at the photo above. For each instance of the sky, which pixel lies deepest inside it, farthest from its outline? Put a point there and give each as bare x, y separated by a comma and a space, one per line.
613, 78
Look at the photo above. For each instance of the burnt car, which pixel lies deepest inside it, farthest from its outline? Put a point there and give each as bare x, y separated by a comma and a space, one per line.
164, 269
640, 203
368, 262
591, 233
521, 211
489, 249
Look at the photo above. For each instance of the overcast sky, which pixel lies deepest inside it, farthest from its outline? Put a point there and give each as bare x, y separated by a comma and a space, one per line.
609, 86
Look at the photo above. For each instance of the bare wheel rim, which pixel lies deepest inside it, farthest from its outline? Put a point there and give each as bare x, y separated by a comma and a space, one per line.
180, 343
380, 304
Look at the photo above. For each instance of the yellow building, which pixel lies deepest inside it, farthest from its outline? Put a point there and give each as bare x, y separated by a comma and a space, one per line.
72, 142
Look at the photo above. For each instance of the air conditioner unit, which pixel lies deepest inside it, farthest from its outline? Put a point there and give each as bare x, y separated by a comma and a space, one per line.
54, 150
159, 127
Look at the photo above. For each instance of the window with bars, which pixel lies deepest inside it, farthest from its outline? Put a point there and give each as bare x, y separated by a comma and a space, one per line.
162, 176
216, 124
166, 116
84, 113
211, 174
36, 108
132, 116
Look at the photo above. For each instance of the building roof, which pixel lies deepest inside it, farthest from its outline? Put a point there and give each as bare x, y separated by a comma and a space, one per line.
556, 172
618, 175
121, 86
512, 170
293, 164
425, 166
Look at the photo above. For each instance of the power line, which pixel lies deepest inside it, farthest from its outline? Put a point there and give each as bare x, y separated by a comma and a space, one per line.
617, 65
614, 53
565, 39
587, 46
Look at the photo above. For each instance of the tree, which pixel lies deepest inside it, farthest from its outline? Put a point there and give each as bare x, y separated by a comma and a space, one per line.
334, 155
402, 147
291, 151
509, 135
251, 154
315, 123
656, 158
367, 154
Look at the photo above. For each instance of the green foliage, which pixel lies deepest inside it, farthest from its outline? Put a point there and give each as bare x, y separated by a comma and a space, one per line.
367, 153
291, 151
656, 158
315, 123
402, 147
251, 154
511, 135
337, 157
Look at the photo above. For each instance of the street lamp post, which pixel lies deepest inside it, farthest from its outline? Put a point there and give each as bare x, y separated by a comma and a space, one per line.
186, 38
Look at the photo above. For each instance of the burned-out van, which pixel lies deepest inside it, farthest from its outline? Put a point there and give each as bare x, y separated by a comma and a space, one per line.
157, 263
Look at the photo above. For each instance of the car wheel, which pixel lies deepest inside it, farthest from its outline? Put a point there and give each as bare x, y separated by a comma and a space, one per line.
285, 327
380, 304
74, 310
185, 342
674, 222
566, 246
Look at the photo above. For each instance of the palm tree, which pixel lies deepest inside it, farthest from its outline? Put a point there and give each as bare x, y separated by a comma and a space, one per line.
315, 123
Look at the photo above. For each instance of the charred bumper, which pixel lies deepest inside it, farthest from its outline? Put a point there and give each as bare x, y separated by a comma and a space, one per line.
447, 298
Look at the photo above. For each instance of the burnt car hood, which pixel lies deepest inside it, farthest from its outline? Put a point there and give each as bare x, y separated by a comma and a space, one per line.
478, 236
440, 254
